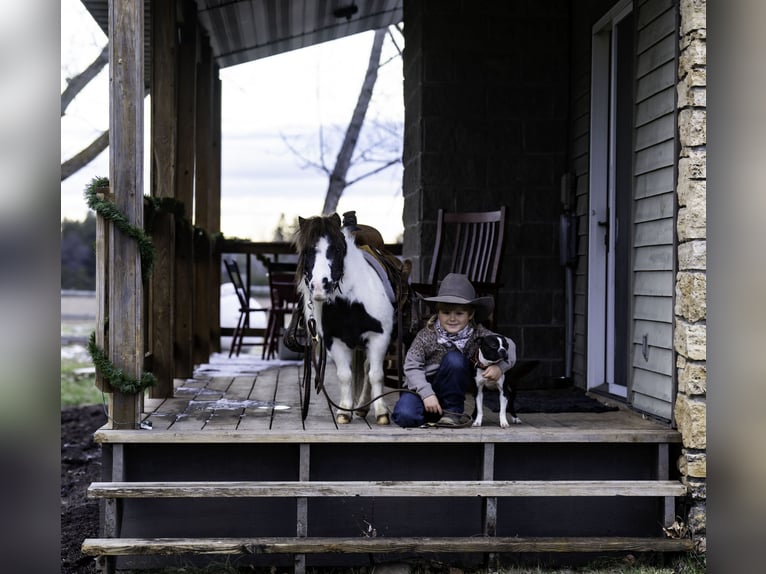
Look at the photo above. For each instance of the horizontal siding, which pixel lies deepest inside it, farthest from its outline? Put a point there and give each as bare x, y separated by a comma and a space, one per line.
656, 56
651, 208
659, 232
653, 283
655, 183
655, 157
658, 360
660, 130
651, 308
653, 258
660, 79
650, 10
657, 334
656, 106
651, 383
649, 404
654, 208
656, 31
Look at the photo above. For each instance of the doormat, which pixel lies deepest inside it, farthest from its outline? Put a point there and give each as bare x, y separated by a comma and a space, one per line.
566, 400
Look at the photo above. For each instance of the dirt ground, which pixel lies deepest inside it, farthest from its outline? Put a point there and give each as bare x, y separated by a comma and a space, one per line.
80, 465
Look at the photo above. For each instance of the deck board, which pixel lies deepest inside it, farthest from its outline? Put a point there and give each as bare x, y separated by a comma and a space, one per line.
248, 400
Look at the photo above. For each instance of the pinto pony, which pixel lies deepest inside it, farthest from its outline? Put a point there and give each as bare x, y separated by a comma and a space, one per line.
353, 306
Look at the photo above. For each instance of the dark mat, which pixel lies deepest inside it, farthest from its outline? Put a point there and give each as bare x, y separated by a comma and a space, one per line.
566, 400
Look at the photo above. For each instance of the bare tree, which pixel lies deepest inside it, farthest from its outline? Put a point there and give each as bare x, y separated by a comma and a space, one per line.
74, 86
377, 149
338, 176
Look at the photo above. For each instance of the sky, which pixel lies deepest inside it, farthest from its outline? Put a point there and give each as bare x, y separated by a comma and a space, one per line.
288, 96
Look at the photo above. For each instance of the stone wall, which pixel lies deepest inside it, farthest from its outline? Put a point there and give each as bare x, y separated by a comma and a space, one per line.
486, 92
690, 308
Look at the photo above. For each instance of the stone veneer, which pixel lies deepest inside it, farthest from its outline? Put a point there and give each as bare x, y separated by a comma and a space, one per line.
690, 306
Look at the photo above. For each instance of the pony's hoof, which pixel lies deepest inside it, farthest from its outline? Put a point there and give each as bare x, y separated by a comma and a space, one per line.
342, 418
383, 420
361, 413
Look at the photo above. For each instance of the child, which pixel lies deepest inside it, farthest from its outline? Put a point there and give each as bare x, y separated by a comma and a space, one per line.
438, 365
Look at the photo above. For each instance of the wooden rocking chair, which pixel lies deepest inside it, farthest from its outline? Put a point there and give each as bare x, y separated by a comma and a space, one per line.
470, 243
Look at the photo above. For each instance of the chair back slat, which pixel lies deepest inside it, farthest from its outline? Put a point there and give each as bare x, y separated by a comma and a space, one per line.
232, 270
470, 243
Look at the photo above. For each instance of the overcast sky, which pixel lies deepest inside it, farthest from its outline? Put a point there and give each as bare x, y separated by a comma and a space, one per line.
289, 95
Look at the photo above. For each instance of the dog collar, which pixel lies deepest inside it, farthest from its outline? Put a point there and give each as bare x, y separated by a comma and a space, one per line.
476, 362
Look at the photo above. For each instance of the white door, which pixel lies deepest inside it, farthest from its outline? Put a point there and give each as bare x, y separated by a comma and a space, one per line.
611, 199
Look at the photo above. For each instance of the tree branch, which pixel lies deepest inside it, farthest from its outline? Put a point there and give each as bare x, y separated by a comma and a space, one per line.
84, 157
75, 85
374, 171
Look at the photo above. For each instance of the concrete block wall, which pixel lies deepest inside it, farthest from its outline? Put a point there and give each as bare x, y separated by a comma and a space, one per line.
486, 88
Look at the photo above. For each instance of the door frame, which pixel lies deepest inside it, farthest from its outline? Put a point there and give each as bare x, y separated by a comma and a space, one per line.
601, 285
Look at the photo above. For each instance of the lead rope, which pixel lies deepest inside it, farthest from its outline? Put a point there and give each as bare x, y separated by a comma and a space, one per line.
319, 361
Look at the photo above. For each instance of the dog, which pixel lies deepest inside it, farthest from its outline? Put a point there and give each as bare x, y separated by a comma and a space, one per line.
492, 350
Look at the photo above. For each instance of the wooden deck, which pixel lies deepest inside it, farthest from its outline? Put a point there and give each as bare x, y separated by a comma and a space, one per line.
244, 399
227, 466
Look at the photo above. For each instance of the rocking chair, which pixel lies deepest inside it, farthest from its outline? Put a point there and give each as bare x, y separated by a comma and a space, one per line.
470, 243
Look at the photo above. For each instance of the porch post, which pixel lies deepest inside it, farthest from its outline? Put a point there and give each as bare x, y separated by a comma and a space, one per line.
202, 249
184, 261
164, 118
126, 151
214, 212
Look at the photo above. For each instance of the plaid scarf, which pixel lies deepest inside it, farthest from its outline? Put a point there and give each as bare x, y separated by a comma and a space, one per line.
449, 340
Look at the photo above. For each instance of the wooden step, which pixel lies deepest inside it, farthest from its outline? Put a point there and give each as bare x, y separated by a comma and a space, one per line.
166, 546
468, 488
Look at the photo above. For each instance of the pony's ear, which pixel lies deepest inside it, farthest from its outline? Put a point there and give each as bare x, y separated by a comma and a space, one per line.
301, 221
335, 218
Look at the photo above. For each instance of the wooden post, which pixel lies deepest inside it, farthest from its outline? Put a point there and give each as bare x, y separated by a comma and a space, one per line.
214, 212
126, 166
203, 253
102, 291
668, 503
164, 128
490, 504
302, 520
184, 261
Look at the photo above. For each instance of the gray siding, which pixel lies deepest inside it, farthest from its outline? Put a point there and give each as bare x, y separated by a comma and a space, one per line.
653, 211
653, 261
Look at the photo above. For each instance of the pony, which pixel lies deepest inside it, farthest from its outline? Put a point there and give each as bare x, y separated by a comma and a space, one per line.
352, 304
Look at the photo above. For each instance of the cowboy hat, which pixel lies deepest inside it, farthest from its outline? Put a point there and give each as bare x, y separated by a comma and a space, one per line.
456, 289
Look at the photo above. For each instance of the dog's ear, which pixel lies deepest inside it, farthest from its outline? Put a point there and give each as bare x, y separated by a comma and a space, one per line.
492, 342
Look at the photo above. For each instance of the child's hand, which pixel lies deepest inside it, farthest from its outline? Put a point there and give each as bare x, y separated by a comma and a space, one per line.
431, 404
492, 373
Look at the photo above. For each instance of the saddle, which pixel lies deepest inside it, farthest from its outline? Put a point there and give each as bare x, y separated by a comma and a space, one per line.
393, 271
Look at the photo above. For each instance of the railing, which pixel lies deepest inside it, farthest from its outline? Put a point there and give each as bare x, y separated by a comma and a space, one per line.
267, 253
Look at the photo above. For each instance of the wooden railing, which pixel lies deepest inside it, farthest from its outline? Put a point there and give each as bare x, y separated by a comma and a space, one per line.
265, 252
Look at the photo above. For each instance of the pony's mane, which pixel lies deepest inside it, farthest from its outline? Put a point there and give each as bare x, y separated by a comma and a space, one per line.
310, 230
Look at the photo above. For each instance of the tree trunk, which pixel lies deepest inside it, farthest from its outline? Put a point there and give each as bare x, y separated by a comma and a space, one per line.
342, 163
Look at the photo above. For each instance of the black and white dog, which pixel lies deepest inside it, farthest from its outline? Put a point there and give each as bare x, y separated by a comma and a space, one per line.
493, 349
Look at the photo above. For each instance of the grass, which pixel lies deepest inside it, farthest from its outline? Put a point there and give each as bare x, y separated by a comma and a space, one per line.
77, 389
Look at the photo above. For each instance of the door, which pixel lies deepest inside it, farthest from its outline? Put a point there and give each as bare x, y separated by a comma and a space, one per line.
611, 200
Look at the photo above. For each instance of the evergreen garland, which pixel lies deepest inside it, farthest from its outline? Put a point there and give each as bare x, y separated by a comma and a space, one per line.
108, 210
117, 378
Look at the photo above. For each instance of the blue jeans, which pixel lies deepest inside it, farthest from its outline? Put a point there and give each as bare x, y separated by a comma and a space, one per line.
449, 383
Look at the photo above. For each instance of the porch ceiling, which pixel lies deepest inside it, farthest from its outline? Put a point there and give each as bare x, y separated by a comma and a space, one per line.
245, 30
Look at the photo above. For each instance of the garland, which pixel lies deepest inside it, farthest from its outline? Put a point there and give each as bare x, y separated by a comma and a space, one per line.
109, 211
117, 378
